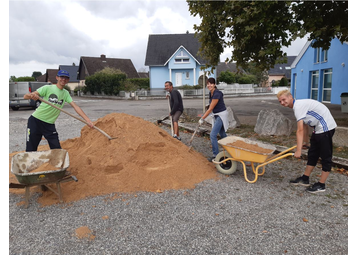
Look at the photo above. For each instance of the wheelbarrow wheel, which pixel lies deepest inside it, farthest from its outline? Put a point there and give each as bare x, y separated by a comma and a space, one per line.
227, 167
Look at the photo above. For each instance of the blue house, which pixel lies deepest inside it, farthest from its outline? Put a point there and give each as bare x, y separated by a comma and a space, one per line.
321, 74
174, 57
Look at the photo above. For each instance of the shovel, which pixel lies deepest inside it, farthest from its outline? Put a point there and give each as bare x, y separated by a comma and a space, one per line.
161, 120
171, 118
192, 137
54, 106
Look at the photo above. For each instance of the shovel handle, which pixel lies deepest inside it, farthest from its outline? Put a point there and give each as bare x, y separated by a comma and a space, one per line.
192, 137
171, 118
74, 116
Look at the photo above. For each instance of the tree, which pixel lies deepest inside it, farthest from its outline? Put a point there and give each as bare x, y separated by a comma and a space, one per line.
246, 79
227, 77
257, 30
323, 20
109, 81
36, 74
130, 86
283, 82
22, 78
261, 76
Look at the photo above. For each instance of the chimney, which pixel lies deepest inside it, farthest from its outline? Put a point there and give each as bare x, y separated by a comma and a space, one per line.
103, 57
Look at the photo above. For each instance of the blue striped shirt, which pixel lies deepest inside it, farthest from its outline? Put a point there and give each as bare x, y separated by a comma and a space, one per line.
314, 114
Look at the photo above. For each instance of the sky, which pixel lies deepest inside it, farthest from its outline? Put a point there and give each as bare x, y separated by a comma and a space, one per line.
46, 34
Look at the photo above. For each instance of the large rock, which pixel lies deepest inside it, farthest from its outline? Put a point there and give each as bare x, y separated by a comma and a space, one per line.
233, 119
190, 112
273, 122
340, 137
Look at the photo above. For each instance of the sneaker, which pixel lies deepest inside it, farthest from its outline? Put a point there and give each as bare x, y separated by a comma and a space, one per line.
177, 137
300, 181
317, 187
210, 159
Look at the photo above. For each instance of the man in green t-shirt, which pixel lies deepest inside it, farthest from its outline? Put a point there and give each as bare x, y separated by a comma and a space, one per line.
41, 122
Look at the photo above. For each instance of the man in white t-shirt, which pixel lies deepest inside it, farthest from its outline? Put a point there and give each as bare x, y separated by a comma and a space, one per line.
309, 112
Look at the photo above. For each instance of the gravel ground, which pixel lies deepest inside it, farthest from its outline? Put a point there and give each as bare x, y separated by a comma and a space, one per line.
227, 216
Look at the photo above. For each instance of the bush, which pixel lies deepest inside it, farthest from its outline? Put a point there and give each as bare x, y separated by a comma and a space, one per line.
25, 78
227, 77
246, 79
283, 82
230, 78
129, 86
109, 81
142, 83
190, 87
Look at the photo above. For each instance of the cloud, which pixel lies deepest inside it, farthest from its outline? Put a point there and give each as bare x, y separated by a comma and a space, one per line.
58, 33
46, 34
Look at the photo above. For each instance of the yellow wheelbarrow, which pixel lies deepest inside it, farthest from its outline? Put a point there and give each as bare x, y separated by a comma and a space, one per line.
241, 149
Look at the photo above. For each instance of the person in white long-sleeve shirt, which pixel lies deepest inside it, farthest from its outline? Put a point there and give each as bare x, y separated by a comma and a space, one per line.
309, 112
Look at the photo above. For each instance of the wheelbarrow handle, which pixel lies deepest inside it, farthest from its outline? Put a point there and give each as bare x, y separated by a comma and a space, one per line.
283, 152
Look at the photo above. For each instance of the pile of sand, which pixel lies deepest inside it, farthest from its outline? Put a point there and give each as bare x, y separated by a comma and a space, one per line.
250, 147
143, 158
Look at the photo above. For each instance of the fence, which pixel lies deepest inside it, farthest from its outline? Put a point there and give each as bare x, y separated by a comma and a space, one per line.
226, 89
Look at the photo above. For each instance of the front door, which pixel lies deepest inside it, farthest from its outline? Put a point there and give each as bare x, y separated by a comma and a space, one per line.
178, 79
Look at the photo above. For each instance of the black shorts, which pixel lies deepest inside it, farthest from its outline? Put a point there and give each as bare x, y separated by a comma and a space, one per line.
321, 147
36, 129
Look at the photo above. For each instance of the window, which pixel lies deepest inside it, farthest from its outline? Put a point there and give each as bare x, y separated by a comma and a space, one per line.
294, 84
327, 85
320, 55
182, 57
324, 55
314, 85
317, 55
187, 75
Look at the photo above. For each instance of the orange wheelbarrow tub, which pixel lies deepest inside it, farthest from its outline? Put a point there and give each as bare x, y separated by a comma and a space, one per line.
226, 160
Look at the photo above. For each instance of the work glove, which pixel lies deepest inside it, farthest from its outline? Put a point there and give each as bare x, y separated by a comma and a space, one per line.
201, 121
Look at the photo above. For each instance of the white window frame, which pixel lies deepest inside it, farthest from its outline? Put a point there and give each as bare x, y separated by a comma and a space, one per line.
182, 58
324, 55
294, 85
187, 75
314, 74
317, 55
326, 72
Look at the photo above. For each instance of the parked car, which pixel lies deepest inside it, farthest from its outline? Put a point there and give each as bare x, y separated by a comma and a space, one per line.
17, 90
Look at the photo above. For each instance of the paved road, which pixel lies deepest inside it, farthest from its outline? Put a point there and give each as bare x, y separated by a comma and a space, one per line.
246, 108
